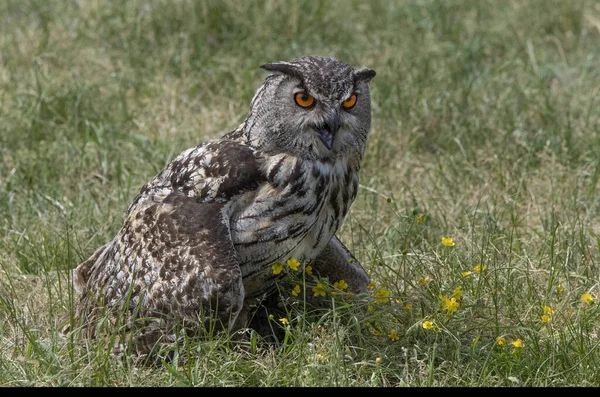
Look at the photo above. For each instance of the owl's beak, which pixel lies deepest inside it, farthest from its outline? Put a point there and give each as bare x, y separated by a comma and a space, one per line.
328, 130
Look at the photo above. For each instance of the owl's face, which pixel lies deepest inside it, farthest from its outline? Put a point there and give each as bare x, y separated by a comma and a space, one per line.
314, 108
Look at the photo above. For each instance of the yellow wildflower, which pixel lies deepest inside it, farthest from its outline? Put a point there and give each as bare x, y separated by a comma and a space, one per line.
393, 336
293, 263
457, 293
500, 341
548, 310
419, 218
423, 281
371, 285
382, 295
320, 357
341, 285
448, 242
296, 290
545, 318
467, 273
308, 270
277, 268
371, 309
479, 268
284, 321
408, 306
449, 304
517, 343
319, 290
428, 324
560, 289
378, 360
587, 298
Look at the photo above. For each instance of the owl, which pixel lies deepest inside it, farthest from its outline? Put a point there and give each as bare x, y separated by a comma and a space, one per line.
197, 244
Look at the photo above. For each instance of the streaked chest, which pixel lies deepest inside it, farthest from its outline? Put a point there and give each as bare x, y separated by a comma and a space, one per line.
294, 214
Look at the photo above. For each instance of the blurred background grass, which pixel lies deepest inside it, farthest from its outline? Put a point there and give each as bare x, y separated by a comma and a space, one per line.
486, 121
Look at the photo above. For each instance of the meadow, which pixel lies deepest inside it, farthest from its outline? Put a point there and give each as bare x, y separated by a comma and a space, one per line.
477, 218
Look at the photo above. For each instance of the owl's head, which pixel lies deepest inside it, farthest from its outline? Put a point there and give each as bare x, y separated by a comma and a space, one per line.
312, 107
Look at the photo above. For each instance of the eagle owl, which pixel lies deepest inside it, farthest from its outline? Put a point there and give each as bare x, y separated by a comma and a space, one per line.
199, 241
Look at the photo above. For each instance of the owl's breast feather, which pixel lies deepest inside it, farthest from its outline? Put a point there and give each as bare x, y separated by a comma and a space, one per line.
295, 213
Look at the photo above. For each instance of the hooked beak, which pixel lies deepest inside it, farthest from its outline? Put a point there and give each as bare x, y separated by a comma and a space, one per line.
328, 130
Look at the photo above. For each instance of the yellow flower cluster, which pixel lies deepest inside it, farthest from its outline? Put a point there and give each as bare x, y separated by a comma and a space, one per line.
449, 304
476, 269
293, 263
319, 289
479, 268
296, 290
548, 312
341, 285
517, 344
430, 325
277, 268
382, 295
545, 318
448, 242
587, 298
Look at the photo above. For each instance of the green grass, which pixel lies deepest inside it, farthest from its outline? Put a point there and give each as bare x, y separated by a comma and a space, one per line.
486, 122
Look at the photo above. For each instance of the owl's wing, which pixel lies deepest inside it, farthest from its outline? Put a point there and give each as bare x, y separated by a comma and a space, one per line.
173, 256
215, 171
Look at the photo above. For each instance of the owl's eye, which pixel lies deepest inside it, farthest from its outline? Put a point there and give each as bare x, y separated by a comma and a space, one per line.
350, 102
304, 100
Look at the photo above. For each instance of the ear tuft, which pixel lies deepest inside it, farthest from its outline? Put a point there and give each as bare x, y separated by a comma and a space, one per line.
364, 74
283, 67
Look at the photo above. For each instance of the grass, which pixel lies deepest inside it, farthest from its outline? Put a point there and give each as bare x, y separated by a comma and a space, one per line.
486, 126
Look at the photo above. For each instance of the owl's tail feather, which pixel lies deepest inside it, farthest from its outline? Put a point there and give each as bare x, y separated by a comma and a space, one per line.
118, 330
112, 330
81, 275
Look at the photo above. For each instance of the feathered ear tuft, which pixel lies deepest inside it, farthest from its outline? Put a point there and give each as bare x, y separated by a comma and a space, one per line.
364, 74
283, 67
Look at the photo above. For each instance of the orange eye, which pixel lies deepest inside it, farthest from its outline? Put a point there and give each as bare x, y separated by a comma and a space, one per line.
304, 100
350, 102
